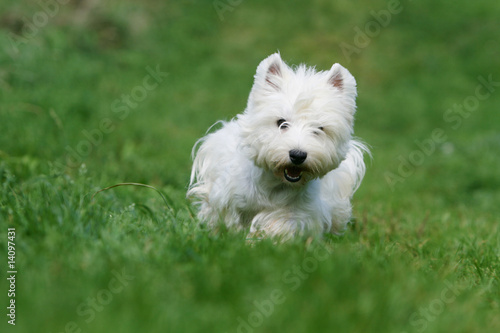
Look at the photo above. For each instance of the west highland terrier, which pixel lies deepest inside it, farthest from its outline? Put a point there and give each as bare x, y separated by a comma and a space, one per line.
288, 165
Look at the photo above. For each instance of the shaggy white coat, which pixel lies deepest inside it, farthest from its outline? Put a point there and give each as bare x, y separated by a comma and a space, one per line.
243, 174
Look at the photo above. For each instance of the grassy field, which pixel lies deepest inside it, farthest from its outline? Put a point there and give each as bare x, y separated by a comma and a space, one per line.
98, 93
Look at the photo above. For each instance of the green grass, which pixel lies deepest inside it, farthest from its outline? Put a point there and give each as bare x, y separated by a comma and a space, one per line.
421, 256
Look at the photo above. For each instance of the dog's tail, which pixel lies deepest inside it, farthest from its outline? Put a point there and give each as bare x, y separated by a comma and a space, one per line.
356, 166
198, 155
348, 176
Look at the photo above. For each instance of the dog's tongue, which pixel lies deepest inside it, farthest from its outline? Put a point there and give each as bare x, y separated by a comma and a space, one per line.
293, 172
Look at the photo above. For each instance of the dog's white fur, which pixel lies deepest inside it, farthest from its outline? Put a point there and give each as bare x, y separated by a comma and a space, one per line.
243, 174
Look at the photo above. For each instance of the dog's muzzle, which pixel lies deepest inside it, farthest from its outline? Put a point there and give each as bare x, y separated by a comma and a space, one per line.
293, 173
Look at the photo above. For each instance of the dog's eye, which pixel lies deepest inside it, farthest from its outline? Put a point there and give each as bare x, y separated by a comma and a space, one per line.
319, 130
282, 123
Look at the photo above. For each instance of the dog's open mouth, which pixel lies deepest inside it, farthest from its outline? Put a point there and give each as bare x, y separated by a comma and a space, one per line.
293, 174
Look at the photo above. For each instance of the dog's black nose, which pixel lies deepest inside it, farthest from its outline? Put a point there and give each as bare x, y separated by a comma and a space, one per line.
297, 156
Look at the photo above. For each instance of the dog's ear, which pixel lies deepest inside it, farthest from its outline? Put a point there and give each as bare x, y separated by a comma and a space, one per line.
340, 78
270, 72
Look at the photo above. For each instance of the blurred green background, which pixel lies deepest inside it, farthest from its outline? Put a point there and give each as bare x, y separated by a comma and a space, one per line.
94, 93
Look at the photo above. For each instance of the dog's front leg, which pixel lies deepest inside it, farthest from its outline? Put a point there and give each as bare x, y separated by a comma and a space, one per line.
284, 224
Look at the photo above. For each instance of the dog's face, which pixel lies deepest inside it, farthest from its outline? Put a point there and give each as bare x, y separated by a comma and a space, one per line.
298, 123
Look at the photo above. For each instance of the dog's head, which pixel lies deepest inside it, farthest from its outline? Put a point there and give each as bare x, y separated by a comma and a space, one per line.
298, 123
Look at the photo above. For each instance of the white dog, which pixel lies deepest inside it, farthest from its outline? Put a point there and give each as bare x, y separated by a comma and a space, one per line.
287, 165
